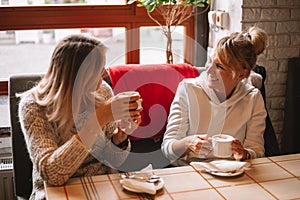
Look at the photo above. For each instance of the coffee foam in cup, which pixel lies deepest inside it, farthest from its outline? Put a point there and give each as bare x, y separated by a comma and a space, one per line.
222, 145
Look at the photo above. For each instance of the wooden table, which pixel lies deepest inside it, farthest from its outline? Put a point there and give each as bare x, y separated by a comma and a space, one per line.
269, 178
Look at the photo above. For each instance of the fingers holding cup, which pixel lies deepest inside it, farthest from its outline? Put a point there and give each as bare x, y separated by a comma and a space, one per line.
139, 104
135, 104
134, 101
127, 105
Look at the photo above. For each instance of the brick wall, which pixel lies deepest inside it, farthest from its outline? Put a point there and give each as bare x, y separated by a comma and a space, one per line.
281, 20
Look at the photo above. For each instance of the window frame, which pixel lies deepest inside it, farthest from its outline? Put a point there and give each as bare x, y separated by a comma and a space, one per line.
88, 16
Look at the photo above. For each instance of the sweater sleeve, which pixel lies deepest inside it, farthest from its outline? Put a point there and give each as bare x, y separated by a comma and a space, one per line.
55, 163
103, 149
108, 153
254, 140
178, 122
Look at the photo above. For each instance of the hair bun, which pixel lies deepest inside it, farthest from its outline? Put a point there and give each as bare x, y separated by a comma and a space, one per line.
259, 39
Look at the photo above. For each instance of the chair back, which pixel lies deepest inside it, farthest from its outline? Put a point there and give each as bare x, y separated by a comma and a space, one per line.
271, 143
22, 165
157, 85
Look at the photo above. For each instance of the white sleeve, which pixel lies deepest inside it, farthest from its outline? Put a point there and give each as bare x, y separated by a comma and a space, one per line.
254, 140
178, 122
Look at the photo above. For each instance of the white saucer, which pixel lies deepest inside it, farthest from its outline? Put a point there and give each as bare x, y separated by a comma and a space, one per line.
226, 174
158, 185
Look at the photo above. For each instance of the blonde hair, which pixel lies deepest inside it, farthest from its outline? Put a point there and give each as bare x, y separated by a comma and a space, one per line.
75, 69
239, 51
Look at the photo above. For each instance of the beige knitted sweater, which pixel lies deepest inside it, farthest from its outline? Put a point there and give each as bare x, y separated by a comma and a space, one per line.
58, 156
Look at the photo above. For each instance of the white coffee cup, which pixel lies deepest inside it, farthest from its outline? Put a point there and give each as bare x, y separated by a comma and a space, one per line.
221, 144
130, 94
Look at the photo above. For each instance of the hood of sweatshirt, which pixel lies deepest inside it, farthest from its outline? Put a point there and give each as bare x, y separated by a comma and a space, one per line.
241, 90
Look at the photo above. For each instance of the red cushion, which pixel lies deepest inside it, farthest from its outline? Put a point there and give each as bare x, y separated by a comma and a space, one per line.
157, 84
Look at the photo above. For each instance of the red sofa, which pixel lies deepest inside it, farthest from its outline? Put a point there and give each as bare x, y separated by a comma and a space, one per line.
157, 84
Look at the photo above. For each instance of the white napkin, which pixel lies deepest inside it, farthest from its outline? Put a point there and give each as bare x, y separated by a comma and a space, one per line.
137, 185
221, 165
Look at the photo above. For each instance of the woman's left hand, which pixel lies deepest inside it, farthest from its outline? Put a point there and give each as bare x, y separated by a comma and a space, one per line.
129, 125
119, 136
125, 128
238, 150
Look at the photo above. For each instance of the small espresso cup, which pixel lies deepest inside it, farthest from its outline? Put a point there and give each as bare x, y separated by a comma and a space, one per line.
130, 94
221, 144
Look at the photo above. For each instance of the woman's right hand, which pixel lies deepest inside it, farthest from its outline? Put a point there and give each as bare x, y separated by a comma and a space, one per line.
119, 107
197, 144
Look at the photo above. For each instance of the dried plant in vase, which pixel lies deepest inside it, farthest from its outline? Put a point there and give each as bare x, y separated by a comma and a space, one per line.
173, 13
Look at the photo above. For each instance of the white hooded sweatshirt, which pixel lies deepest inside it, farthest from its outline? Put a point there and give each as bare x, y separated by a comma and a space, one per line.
197, 110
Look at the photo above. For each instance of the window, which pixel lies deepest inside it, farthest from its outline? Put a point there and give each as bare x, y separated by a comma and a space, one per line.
86, 16
153, 44
45, 2
41, 43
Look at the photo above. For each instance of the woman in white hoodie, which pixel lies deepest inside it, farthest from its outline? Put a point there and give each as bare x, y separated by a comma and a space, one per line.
220, 100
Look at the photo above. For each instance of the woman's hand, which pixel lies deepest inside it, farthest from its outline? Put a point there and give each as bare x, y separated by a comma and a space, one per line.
238, 150
119, 107
125, 128
194, 143
129, 125
198, 144
119, 136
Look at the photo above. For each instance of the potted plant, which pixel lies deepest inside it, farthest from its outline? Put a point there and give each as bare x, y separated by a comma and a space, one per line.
173, 13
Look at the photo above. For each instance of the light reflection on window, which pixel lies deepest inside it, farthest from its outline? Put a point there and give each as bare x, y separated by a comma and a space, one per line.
29, 51
33, 48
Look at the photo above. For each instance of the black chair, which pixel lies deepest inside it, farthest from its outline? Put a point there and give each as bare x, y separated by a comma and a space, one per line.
291, 137
21, 162
271, 143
